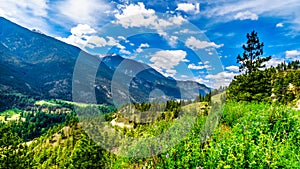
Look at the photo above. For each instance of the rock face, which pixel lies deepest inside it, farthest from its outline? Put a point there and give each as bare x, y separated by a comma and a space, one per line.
37, 65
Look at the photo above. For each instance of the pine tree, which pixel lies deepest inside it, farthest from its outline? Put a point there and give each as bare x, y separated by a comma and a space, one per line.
251, 59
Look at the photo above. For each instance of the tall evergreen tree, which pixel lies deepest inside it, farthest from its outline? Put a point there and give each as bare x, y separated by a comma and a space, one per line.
252, 59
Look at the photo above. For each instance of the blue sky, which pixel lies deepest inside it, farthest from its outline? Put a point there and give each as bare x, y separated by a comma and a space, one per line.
187, 40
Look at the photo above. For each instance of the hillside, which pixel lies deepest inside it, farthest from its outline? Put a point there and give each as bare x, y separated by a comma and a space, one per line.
42, 67
249, 135
280, 84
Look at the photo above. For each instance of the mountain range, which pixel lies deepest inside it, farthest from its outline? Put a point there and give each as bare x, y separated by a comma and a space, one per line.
43, 67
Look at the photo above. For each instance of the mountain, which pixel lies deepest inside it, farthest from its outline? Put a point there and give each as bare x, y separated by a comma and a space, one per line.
40, 66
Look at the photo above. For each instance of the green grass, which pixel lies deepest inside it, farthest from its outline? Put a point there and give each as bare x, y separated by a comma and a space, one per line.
249, 135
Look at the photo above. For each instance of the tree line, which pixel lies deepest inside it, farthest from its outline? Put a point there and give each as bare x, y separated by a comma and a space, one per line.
280, 83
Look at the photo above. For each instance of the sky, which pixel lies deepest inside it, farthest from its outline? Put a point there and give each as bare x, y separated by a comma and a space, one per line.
186, 40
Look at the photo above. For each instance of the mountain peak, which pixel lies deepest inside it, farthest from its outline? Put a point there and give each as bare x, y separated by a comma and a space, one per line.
47, 66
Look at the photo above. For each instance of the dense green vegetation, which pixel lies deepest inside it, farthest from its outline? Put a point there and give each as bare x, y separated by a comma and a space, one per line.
280, 83
249, 135
9, 101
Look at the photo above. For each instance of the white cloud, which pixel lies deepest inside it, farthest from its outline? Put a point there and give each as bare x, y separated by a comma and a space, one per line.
84, 36
165, 60
185, 60
246, 15
82, 29
35, 8
96, 41
136, 15
198, 67
187, 31
224, 11
221, 79
126, 52
274, 62
29, 14
41, 14
80, 34
82, 11
184, 76
194, 43
221, 75
172, 40
201, 80
121, 38
279, 25
142, 45
233, 68
189, 7
290, 54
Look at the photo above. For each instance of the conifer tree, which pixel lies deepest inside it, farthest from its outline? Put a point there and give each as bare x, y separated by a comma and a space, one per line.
252, 59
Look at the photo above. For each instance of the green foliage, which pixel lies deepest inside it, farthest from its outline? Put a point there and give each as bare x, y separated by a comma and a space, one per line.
11, 112
37, 123
206, 98
282, 83
249, 135
9, 101
286, 86
255, 86
251, 59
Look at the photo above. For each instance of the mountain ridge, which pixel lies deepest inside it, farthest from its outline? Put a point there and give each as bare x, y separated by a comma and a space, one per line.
44, 68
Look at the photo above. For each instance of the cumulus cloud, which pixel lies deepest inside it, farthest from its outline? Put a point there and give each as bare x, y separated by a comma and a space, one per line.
140, 48
221, 79
165, 60
194, 43
292, 55
274, 62
189, 7
198, 67
79, 36
82, 29
246, 15
136, 15
84, 36
279, 25
233, 68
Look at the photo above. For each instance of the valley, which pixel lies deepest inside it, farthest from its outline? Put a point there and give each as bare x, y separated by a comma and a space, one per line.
144, 85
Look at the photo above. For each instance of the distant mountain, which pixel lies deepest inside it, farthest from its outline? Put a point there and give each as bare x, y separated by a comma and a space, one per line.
34, 64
